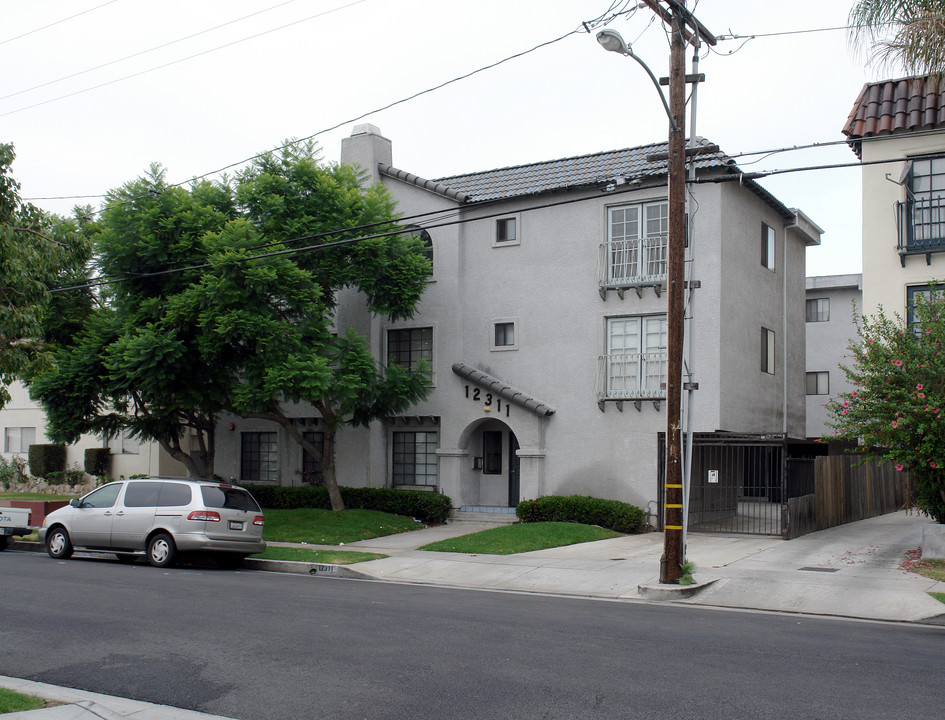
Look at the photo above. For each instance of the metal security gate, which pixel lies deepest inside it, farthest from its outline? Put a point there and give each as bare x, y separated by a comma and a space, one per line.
738, 483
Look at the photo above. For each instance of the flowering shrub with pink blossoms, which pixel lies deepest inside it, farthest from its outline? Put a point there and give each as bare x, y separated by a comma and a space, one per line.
895, 411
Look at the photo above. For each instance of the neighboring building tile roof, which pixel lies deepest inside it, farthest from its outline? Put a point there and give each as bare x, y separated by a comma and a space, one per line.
890, 106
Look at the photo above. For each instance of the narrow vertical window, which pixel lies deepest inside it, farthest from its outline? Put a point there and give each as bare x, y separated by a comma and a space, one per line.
767, 246
767, 351
492, 452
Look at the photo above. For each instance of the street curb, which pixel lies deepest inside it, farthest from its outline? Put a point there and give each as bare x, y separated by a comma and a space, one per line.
296, 567
292, 567
663, 591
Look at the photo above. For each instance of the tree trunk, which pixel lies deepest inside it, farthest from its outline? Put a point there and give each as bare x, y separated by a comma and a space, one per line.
328, 472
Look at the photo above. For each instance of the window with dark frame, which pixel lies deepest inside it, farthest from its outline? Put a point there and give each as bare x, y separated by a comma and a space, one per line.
259, 457
818, 310
491, 452
414, 458
818, 383
504, 334
408, 347
312, 468
767, 351
505, 230
913, 292
767, 246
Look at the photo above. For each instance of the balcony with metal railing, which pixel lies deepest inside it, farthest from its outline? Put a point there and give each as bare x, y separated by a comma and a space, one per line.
633, 263
632, 376
921, 227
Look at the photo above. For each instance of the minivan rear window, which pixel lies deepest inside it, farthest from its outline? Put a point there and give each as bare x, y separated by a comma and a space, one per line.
232, 498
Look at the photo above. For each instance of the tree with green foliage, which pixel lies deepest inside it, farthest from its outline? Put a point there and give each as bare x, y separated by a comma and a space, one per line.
38, 252
910, 33
894, 412
292, 350
135, 365
224, 299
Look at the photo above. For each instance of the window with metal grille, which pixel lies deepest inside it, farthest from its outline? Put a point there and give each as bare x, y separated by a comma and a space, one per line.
414, 458
635, 363
409, 346
259, 457
636, 245
818, 310
818, 383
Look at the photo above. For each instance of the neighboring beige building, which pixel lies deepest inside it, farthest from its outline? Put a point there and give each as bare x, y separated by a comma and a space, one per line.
545, 323
833, 303
897, 129
24, 424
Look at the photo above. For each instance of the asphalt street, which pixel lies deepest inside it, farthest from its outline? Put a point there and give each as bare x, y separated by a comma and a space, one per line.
254, 645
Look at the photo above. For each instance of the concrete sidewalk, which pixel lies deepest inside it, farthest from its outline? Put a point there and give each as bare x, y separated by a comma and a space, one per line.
849, 571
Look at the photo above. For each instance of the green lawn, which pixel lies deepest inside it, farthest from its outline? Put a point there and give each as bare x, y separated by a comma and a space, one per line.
33, 496
938, 596
934, 569
326, 557
522, 537
325, 527
15, 702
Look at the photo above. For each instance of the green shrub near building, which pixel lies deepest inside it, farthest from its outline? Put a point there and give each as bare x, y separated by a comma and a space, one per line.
612, 514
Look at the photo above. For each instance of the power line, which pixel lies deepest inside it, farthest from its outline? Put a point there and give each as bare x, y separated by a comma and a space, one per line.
145, 52
58, 22
180, 60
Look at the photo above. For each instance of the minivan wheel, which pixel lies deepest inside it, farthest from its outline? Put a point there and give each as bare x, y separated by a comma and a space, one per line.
58, 544
161, 550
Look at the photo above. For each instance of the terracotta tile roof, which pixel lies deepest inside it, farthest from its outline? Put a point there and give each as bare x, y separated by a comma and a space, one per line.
891, 106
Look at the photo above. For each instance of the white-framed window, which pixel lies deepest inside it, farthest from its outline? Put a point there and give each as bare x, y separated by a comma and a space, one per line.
504, 336
124, 444
506, 231
414, 460
767, 246
408, 346
634, 365
767, 351
927, 193
818, 383
259, 457
18, 439
818, 310
636, 247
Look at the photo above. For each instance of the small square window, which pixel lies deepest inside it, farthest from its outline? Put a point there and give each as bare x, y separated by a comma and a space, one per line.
504, 335
818, 383
505, 230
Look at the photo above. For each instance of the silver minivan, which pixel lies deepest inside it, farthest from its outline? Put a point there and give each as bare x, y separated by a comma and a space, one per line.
160, 519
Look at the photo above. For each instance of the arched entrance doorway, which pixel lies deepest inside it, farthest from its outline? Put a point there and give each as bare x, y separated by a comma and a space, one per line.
494, 479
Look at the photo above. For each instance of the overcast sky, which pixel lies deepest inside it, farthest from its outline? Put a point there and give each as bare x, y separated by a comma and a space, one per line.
89, 103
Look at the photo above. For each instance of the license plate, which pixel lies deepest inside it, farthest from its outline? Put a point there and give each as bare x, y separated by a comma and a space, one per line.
236, 525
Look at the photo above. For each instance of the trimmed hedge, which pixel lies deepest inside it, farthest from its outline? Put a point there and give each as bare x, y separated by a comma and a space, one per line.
428, 507
612, 514
46, 459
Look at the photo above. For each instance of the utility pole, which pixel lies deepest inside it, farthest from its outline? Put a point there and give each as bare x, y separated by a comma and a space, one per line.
681, 21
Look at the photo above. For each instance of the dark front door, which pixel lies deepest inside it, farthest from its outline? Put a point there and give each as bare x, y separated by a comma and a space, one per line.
513, 470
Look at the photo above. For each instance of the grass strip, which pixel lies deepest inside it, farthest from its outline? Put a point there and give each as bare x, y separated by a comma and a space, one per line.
325, 557
325, 527
17, 702
938, 596
522, 537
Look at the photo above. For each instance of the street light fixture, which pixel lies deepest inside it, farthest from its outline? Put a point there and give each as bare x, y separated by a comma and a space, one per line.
612, 41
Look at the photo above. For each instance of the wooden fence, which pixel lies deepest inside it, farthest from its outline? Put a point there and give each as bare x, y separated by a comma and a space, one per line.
846, 490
